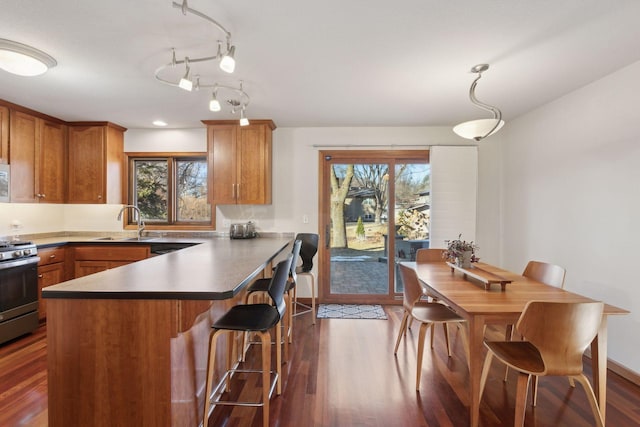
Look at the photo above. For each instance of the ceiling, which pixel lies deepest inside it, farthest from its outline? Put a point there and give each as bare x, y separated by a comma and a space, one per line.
317, 64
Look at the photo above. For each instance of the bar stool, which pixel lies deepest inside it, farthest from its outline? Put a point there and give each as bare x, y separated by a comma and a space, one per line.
307, 252
258, 318
262, 285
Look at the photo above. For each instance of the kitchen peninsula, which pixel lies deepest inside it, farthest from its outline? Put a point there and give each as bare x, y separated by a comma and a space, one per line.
128, 346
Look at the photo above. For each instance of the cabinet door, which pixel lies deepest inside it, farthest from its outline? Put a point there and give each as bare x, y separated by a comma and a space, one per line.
24, 134
51, 154
254, 165
85, 268
222, 164
48, 275
86, 164
4, 135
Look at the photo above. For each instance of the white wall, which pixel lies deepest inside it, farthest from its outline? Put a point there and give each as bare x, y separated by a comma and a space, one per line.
564, 189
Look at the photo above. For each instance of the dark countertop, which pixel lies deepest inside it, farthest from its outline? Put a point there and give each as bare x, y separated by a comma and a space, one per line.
212, 269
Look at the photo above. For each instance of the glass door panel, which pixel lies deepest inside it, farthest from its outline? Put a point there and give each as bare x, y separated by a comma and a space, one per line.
412, 203
358, 229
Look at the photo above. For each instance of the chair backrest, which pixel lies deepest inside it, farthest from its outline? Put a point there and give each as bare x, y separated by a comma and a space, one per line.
412, 290
561, 331
295, 253
550, 274
429, 255
308, 250
278, 284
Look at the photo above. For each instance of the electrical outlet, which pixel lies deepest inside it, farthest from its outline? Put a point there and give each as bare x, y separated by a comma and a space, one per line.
226, 223
305, 219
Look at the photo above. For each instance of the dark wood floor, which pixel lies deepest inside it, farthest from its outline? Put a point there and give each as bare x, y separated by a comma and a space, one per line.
343, 373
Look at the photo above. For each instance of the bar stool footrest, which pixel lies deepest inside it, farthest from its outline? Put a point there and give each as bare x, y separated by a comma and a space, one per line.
222, 383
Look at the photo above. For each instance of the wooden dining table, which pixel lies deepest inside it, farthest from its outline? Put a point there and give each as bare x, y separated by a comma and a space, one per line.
468, 296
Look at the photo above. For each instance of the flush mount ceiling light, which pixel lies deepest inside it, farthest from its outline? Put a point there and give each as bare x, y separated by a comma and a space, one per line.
480, 129
191, 81
23, 60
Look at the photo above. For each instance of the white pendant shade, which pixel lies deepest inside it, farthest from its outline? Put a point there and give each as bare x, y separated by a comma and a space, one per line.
477, 129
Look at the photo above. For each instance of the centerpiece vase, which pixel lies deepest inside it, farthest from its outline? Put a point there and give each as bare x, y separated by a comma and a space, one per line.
464, 260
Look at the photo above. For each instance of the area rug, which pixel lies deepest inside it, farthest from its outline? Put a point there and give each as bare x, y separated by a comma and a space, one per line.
351, 311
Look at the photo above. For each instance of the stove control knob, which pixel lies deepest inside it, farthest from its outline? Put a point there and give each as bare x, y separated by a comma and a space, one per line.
17, 254
26, 252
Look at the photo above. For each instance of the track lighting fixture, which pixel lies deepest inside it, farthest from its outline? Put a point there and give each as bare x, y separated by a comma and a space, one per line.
243, 119
185, 82
214, 104
225, 55
480, 129
23, 60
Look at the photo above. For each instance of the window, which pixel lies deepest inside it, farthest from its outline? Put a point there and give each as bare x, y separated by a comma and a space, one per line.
170, 190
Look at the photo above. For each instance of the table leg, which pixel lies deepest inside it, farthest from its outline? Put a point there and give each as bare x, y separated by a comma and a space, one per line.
599, 366
476, 337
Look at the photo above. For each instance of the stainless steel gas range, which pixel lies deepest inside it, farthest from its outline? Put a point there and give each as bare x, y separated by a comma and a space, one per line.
18, 289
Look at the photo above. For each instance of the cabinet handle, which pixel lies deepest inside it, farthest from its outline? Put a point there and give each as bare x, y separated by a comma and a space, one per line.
238, 195
52, 256
39, 276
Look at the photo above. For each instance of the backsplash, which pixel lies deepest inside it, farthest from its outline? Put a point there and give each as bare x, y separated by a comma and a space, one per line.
34, 218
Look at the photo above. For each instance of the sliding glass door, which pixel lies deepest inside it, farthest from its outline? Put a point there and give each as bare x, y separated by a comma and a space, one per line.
375, 213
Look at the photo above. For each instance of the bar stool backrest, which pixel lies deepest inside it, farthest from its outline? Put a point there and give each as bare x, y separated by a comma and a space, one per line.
308, 250
278, 284
295, 252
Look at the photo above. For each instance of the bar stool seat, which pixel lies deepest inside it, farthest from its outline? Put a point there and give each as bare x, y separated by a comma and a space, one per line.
257, 318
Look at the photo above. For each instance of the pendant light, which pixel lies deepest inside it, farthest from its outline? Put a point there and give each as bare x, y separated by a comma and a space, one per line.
482, 128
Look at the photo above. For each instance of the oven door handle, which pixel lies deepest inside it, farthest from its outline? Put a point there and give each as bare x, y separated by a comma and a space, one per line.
19, 262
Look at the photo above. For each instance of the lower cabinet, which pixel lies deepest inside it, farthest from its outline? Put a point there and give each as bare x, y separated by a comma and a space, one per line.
51, 271
93, 259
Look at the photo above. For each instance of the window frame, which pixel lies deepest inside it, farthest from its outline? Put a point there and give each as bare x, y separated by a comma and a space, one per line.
171, 157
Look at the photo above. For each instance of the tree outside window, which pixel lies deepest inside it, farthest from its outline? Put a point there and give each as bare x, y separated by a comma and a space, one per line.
170, 190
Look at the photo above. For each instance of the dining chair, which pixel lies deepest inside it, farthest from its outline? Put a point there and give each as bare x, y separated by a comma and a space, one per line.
427, 313
549, 274
429, 255
556, 336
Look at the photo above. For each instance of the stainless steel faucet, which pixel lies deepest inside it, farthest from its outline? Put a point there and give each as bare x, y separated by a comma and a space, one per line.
138, 218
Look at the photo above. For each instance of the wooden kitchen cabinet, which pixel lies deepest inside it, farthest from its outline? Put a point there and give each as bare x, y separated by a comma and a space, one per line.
4, 135
51, 271
93, 259
37, 154
239, 162
96, 163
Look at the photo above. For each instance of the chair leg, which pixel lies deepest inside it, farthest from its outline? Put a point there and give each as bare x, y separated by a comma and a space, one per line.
210, 370
278, 354
445, 325
266, 373
291, 303
591, 397
485, 371
522, 387
421, 335
313, 298
534, 390
508, 336
402, 331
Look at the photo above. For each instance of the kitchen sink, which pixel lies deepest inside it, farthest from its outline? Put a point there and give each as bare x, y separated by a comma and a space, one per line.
124, 239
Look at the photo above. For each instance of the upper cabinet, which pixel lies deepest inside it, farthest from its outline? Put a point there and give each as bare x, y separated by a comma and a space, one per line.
38, 159
96, 162
4, 135
239, 162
